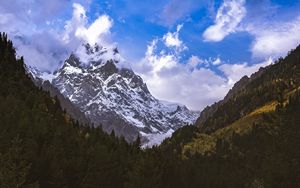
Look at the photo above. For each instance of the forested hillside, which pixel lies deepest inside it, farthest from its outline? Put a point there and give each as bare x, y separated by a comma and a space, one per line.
251, 140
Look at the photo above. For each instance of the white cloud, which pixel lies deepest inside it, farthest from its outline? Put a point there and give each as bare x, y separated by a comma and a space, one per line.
26, 21
274, 39
93, 34
44, 53
41, 48
196, 62
78, 27
172, 39
228, 17
272, 36
169, 80
217, 61
194, 83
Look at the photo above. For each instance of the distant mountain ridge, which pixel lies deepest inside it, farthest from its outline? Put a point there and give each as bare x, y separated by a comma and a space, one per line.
103, 86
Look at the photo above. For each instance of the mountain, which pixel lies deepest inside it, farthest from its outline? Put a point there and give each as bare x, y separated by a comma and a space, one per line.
103, 86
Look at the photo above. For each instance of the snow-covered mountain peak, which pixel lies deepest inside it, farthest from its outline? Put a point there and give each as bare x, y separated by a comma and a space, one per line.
95, 80
95, 55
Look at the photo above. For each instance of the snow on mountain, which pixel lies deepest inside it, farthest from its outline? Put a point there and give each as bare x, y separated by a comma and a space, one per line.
36, 74
103, 86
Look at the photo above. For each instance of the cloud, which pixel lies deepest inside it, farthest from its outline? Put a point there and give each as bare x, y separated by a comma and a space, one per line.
79, 28
217, 61
172, 39
196, 62
45, 47
40, 47
274, 32
44, 53
195, 83
100, 27
274, 39
170, 80
228, 17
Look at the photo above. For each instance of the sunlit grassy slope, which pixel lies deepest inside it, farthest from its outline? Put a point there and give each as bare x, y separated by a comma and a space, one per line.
205, 144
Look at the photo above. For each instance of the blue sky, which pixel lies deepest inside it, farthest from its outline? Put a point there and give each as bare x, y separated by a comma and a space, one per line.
190, 52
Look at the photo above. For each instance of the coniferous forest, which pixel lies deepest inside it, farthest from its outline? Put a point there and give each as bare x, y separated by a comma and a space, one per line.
42, 146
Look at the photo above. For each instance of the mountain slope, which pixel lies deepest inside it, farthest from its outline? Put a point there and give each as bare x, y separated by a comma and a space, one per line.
103, 86
267, 85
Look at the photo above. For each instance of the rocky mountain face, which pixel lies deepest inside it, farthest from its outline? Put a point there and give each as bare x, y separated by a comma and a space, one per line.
65, 103
102, 85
